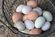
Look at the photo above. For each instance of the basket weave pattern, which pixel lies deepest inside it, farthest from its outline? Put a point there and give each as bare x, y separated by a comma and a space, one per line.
9, 7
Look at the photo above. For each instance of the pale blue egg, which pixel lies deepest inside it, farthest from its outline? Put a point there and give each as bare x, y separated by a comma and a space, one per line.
26, 9
39, 22
19, 25
46, 26
19, 8
48, 16
38, 10
29, 24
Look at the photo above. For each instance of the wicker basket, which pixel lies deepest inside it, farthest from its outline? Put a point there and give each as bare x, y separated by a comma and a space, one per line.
9, 7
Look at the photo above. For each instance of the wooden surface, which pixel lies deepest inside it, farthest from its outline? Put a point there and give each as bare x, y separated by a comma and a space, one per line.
5, 32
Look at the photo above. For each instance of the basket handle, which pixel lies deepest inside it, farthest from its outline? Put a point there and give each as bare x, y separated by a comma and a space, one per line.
13, 29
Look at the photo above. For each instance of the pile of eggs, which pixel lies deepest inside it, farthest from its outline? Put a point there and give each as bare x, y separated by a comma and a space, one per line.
31, 19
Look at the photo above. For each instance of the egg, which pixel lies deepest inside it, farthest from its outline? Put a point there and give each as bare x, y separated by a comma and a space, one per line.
46, 26
16, 17
32, 3
25, 17
32, 16
35, 31
25, 31
26, 9
47, 15
29, 24
19, 25
38, 10
39, 22
19, 8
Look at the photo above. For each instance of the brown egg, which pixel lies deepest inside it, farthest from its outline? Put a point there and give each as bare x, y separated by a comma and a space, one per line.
32, 3
32, 15
25, 17
35, 31
16, 17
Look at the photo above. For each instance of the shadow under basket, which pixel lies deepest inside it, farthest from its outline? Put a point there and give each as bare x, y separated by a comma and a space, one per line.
9, 6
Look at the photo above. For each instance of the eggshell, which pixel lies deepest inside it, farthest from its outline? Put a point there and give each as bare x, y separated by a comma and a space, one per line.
25, 17
16, 17
32, 3
32, 16
35, 31
38, 10
39, 22
47, 15
26, 9
26, 31
29, 24
19, 25
46, 26
19, 8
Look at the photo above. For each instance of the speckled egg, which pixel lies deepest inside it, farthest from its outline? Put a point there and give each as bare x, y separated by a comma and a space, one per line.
47, 15
16, 17
26, 31
26, 9
39, 22
38, 10
32, 16
19, 25
35, 31
29, 24
32, 3
46, 26
19, 8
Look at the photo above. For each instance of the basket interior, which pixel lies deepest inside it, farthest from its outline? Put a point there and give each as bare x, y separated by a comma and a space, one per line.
9, 7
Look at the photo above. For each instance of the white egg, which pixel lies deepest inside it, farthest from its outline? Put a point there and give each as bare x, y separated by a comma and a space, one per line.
38, 10
19, 8
39, 22
46, 26
29, 24
47, 15
19, 25
26, 9
25, 31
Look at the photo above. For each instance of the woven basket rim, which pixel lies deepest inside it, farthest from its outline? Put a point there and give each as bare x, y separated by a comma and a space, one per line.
11, 24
